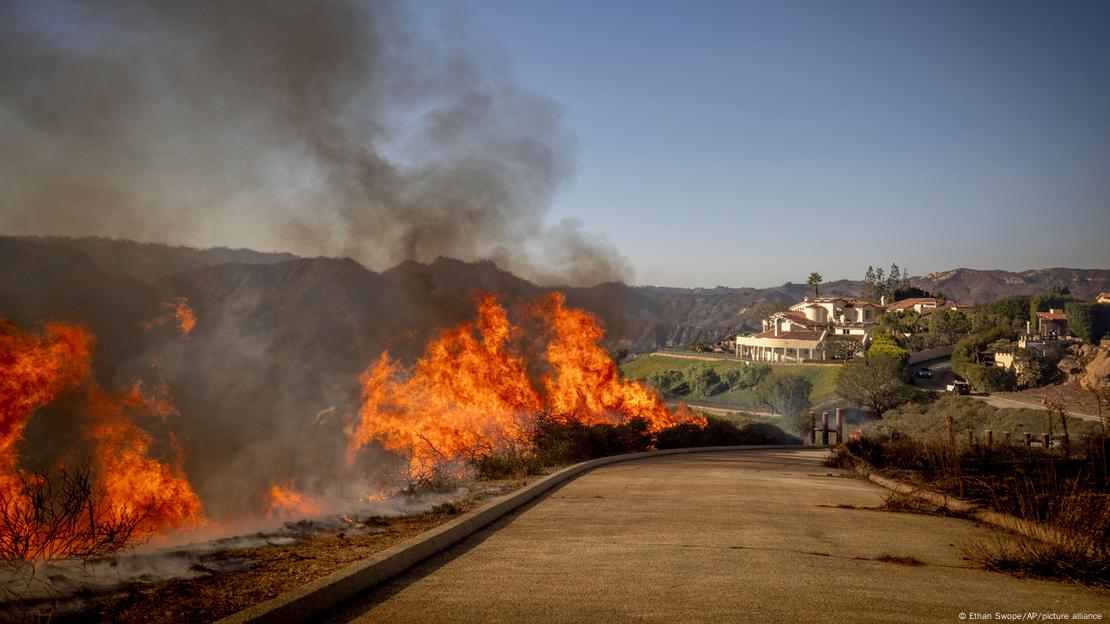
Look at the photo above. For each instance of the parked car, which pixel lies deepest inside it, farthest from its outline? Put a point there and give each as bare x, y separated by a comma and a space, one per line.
959, 387
924, 372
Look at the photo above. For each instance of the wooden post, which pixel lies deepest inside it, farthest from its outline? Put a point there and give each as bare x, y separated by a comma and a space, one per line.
1046, 441
1006, 436
1065, 442
839, 427
825, 428
988, 438
812, 438
1028, 439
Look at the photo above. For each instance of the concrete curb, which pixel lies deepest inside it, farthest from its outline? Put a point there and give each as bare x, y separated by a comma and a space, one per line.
1032, 530
305, 602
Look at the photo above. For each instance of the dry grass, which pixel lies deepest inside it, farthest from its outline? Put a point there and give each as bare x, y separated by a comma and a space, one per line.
1066, 491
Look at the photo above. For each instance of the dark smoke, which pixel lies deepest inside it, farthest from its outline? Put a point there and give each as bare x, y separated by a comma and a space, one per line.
329, 128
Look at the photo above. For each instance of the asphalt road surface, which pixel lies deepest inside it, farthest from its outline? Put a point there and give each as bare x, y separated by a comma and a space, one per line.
757, 536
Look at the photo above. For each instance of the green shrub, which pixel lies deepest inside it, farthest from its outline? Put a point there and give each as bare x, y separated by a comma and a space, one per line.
719, 432
702, 379
1088, 321
664, 380
784, 393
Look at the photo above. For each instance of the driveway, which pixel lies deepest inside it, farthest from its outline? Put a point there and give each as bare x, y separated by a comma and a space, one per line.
764, 536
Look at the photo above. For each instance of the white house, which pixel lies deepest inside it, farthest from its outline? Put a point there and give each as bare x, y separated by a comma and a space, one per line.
795, 335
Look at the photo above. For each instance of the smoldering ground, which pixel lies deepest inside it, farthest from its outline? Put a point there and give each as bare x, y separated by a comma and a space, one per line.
323, 128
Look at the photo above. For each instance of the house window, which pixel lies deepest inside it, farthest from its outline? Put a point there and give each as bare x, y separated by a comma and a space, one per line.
845, 331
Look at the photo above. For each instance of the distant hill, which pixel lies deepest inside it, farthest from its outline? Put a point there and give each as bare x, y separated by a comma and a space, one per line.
280, 339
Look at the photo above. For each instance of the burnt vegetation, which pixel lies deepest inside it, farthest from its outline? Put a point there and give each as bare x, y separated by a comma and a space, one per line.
1066, 489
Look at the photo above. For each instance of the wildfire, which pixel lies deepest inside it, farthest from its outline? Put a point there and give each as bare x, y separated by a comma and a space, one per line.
587, 385
35, 370
130, 483
177, 311
286, 502
465, 393
470, 391
136, 485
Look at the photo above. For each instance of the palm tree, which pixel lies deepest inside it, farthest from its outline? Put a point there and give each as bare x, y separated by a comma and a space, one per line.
815, 280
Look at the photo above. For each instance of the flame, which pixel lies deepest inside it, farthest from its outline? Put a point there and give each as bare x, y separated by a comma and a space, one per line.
470, 390
130, 483
177, 311
134, 483
466, 392
287, 502
35, 369
587, 386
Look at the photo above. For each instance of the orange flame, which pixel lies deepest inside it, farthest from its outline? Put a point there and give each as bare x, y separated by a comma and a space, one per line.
287, 502
178, 311
470, 391
587, 386
465, 393
135, 484
33, 371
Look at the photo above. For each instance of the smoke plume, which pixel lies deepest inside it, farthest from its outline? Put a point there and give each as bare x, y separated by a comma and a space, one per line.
322, 128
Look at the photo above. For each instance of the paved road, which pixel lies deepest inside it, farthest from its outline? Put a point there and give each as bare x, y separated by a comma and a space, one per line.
763, 536
943, 375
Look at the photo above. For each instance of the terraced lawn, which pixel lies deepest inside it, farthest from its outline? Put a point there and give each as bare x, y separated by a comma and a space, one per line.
823, 378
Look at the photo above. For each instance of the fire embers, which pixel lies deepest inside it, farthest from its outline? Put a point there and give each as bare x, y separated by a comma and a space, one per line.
471, 392
129, 483
177, 312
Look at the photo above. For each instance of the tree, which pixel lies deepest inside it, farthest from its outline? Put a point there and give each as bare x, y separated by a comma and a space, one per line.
948, 326
875, 383
732, 376
754, 373
900, 323
1029, 369
908, 292
815, 280
870, 291
840, 347
1013, 311
702, 379
784, 394
1088, 321
665, 380
886, 345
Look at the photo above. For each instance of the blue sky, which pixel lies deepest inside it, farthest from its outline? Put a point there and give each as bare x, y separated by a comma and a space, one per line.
747, 144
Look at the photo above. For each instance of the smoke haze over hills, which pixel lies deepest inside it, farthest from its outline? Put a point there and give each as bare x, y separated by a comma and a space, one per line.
328, 128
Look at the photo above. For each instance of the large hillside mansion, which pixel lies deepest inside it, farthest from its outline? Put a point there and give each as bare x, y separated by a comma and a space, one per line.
795, 335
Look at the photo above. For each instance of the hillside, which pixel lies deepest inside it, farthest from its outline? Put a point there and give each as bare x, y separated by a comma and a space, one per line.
408, 302
280, 340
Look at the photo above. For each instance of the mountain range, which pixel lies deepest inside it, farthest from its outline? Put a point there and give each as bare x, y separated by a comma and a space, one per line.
107, 282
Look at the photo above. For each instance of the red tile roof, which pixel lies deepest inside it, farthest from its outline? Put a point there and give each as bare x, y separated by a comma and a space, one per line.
800, 319
1053, 316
